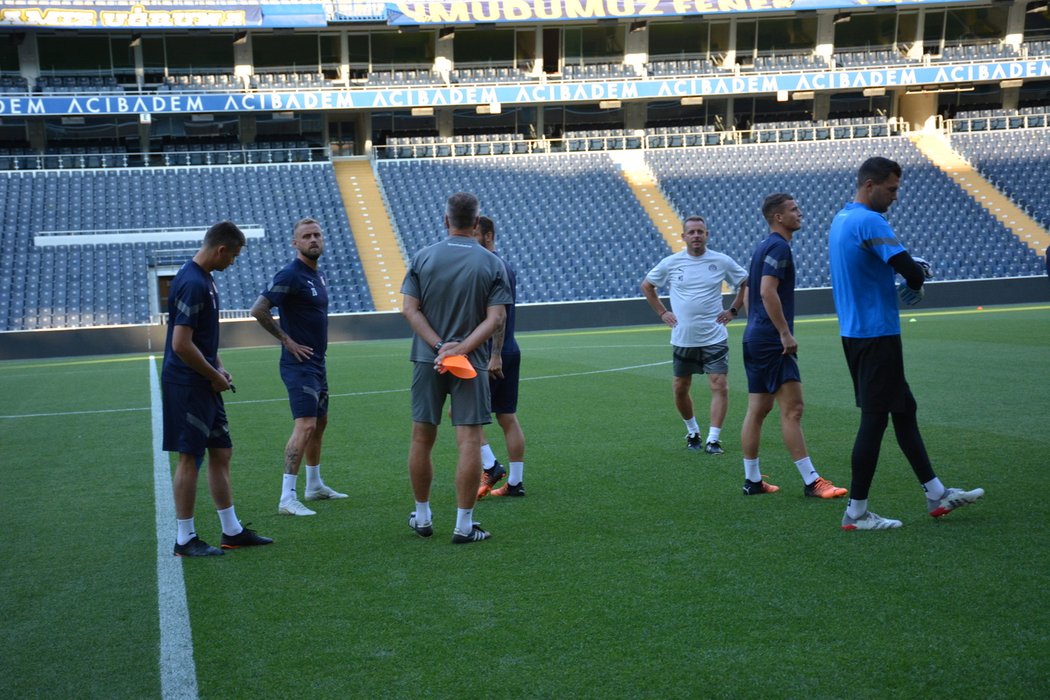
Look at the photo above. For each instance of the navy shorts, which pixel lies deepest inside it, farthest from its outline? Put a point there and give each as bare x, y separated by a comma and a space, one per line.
194, 419
768, 368
709, 359
307, 390
877, 368
470, 397
505, 391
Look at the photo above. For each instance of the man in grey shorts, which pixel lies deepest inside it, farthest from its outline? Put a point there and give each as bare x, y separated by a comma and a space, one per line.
698, 336
455, 294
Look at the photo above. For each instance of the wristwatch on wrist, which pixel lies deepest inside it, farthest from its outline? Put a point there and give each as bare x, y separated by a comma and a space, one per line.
437, 345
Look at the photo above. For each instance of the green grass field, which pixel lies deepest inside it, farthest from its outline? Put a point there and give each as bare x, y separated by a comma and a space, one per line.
633, 569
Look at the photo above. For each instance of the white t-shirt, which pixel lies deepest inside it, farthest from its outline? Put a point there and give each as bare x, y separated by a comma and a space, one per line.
696, 294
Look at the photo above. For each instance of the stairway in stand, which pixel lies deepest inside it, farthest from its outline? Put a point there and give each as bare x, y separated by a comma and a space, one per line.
381, 257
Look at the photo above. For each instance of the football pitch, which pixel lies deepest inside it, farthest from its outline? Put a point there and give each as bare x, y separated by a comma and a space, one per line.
633, 569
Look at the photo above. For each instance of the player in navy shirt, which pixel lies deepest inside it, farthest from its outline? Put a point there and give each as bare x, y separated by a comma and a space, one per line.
192, 381
770, 353
865, 258
300, 290
504, 372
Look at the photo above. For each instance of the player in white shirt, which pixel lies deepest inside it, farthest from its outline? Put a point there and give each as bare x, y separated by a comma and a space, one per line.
697, 320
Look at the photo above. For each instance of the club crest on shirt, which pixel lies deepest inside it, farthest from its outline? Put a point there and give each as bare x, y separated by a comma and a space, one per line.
712, 267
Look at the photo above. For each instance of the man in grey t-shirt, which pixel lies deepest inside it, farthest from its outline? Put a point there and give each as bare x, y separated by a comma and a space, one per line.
455, 294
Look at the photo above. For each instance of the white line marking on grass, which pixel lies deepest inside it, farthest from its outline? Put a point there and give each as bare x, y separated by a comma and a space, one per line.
75, 413
178, 674
597, 371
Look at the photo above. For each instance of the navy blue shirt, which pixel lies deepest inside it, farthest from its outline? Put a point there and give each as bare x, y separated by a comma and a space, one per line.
510, 345
772, 257
302, 295
193, 301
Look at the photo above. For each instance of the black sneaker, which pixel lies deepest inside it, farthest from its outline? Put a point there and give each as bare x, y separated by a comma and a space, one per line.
422, 529
714, 448
197, 548
693, 442
489, 478
509, 489
757, 488
475, 535
244, 538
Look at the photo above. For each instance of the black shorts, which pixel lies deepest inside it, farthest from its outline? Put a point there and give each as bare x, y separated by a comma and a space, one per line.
877, 368
307, 387
709, 359
768, 368
194, 419
504, 391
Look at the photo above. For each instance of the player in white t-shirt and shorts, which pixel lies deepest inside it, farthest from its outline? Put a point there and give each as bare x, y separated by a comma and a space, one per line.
697, 320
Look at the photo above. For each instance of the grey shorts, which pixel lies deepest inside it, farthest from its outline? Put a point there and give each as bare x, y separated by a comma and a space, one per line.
707, 359
470, 397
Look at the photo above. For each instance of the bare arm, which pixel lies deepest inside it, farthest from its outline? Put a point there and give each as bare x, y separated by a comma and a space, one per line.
739, 302
261, 311
668, 317
496, 358
775, 310
182, 345
417, 321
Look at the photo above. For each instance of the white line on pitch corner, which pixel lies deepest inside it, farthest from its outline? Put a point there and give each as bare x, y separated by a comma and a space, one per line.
178, 674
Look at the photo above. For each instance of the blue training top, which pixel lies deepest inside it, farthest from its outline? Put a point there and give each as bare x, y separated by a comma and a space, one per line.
772, 257
193, 301
510, 345
860, 246
302, 295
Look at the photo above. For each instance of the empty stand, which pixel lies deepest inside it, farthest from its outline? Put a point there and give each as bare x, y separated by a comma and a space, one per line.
103, 284
934, 216
567, 222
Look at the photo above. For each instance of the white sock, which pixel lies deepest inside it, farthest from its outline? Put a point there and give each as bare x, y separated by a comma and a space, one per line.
934, 489
313, 477
186, 531
230, 525
751, 471
713, 433
288, 487
423, 512
807, 470
517, 473
692, 426
465, 520
856, 507
488, 457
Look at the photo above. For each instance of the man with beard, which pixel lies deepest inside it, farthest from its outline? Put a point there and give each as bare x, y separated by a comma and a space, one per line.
301, 291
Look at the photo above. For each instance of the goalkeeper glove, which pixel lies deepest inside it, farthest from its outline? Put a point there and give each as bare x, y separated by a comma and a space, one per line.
910, 296
926, 268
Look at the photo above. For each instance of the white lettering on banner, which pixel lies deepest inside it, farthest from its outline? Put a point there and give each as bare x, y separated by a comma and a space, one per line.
594, 91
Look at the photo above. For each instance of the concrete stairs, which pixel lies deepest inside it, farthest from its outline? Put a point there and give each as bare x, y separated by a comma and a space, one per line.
381, 257
936, 147
643, 184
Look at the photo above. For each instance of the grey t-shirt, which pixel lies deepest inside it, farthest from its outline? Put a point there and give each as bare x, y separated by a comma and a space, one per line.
455, 280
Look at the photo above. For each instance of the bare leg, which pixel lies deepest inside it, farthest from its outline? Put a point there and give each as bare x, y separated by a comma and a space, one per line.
789, 397
184, 486
682, 400
514, 436
468, 467
758, 407
420, 466
302, 434
719, 398
313, 445
219, 477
